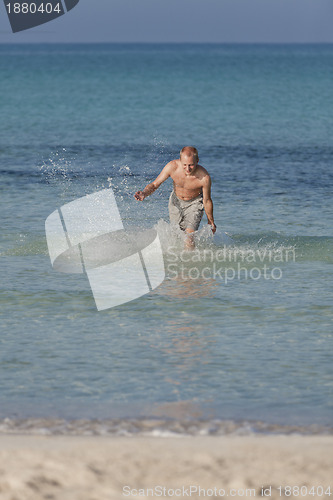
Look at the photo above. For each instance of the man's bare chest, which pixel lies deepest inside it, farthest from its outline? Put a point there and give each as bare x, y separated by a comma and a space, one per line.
186, 182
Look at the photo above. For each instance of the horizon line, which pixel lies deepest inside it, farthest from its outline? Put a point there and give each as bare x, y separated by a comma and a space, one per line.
163, 43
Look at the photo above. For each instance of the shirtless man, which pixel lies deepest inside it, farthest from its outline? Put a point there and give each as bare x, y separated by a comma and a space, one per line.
191, 192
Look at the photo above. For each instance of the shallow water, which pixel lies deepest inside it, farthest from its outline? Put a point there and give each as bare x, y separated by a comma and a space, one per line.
240, 333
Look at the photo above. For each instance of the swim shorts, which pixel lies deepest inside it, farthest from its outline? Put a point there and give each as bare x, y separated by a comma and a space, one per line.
187, 214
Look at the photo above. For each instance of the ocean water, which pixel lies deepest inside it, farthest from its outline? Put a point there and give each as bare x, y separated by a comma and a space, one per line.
237, 338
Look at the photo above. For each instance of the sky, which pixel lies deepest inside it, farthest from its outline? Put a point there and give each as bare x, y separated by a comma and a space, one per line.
217, 21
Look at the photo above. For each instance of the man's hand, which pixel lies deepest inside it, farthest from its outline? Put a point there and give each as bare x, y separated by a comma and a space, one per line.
212, 225
139, 195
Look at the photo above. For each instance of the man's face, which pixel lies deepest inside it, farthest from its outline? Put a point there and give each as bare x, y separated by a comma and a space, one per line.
188, 163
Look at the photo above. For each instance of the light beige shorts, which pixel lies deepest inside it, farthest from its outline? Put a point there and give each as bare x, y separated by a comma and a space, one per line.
187, 214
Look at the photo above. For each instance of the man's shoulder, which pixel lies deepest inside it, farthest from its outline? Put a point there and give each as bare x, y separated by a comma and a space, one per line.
202, 173
171, 167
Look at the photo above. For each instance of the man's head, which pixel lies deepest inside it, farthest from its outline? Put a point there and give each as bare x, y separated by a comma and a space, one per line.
189, 159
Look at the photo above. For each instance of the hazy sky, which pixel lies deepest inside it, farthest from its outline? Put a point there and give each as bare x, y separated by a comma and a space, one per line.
184, 21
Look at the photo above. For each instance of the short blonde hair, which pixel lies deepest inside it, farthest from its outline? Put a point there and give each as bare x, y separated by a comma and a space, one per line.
189, 150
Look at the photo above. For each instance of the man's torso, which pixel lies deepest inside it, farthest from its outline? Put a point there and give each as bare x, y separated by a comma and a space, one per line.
187, 187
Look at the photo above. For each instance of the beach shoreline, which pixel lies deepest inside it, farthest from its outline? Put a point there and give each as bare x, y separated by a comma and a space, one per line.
106, 468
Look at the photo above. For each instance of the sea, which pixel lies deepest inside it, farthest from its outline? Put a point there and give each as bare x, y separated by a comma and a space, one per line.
237, 339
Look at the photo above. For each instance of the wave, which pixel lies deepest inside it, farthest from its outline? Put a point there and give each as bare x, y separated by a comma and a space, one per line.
153, 427
241, 247
246, 248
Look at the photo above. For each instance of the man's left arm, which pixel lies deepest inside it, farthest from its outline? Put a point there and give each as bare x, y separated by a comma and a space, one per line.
207, 201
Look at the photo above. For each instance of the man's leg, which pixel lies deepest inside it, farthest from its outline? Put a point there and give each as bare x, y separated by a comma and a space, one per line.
189, 239
175, 210
192, 218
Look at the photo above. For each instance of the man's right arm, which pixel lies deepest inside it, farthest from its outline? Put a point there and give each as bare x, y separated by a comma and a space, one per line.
150, 188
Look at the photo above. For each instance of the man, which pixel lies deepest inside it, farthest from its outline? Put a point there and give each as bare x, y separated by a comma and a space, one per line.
191, 193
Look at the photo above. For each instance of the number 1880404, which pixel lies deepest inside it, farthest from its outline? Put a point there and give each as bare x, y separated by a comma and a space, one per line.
305, 491
33, 8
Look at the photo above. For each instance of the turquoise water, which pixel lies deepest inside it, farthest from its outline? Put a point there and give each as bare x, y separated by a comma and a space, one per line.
235, 345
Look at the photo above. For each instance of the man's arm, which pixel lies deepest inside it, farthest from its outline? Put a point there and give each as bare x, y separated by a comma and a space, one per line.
207, 201
150, 188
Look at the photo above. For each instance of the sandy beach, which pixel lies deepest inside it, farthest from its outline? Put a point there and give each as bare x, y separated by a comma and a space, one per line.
107, 468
